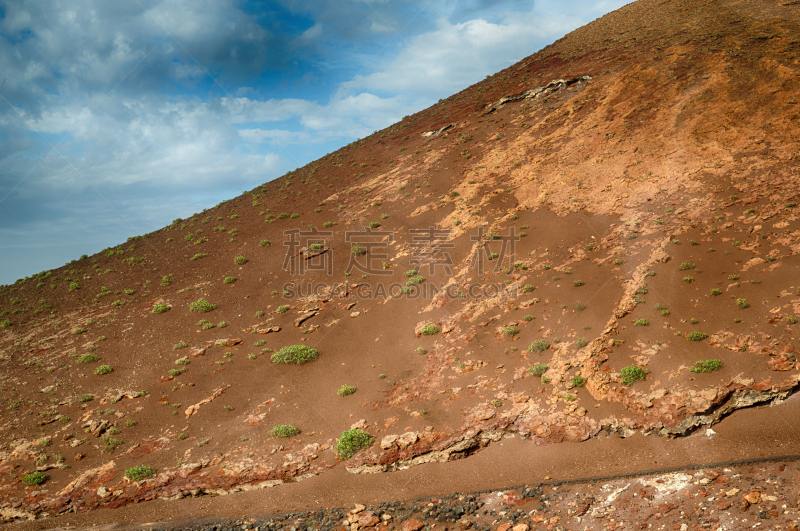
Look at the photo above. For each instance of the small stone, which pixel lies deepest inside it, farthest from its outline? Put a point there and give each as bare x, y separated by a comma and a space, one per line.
754, 497
504, 527
710, 432
357, 508
368, 519
412, 524
520, 527
732, 492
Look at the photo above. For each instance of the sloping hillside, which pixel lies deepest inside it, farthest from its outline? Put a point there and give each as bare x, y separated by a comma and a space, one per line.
600, 240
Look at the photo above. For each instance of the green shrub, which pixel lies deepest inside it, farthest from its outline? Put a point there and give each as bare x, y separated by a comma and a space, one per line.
179, 345
686, 265
578, 381
540, 345
85, 398
283, 308
77, 331
538, 369
351, 442
284, 430
229, 280
706, 366
358, 250
688, 279
73, 286
138, 473
631, 374
510, 330
696, 336
527, 288
88, 358
160, 308
429, 330
201, 306
577, 283
742, 303
641, 322
34, 478
415, 280
346, 390
264, 243
165, 280
579, 306
529, 317
6, 324
198, 256
296, 354
239, 260
103, 369
581, 342
715, 292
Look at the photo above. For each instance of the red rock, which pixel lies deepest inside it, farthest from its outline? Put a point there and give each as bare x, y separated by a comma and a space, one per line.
412, 524
504, 527
368, 519
722, 505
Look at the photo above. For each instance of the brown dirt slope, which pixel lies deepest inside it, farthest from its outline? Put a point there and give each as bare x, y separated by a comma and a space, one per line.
647, 167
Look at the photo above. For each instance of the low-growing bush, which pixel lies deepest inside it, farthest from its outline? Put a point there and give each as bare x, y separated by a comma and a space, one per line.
229, 280
578, 381
160, 308
296, 354
284, 430
540, 345
581, 342
510, 330
538, 369
88, 358
34, 478
346, 390
696, 336
201, 306
351, 442
138, 473
283, 308
103, 369
239, 260
641, 322
429, 330
706, 366
631, 374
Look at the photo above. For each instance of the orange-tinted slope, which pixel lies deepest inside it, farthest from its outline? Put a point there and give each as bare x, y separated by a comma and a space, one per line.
646, 164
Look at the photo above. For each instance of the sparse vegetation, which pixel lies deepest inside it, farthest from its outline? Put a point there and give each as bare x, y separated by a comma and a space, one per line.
160, 308
138, 473
429, 330
578, 381
295, 354
284, 430
34, 478
201, 306
239, 260
103, 369
346, 390
696, 336
351, 442
641, 322
540, 345
631, 374
538, 369
706, 366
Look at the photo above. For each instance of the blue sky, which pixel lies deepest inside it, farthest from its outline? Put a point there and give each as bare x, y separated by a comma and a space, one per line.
117, 117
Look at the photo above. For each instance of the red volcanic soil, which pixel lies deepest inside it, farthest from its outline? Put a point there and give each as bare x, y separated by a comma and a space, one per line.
594, 250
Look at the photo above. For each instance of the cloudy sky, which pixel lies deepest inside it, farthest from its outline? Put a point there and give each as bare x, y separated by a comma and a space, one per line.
117, 117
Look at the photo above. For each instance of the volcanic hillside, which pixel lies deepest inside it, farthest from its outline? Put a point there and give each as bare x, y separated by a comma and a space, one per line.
645, 169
